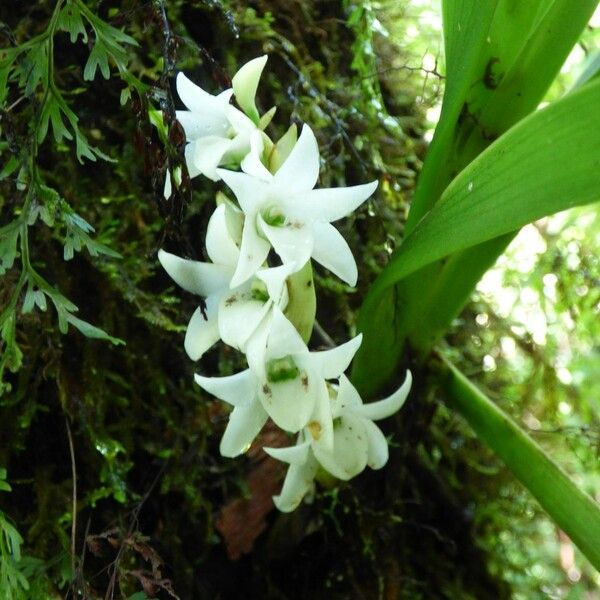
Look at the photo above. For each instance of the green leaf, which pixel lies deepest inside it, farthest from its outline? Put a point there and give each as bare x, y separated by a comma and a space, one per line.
547, 163
34, 68
12, 356
157, 120
4, 486
65, 309
9, 237
113, 36
33, 297
466, 27
497, 73
537, 64
524, 48
109, 44
574, 512
10, 167
69, 20
98, 58
91, 331
52, 112
13, 539
77, 236
452, 289
7, 58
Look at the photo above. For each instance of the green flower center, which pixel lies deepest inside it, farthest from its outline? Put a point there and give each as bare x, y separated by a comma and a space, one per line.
273, 216
258, 291
282, 369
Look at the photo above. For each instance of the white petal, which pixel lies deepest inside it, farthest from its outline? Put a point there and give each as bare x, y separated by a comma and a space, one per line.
220, 246
253, 253
202, 333
198, 125
298, 482
245, 83
238, 390
293, 455
195, 276
240, 147
209, 153
332, 363
378, 446
327, 204
252, 163
293, 243
250, 192
290, 403
190, 151
256, 347
283, 339
234, 217
245, 423
332, 251
274, 278
240, 123
388, 406
168, 188
320, 426
350, 453
197, 100
239, 317
346, 400
300, 170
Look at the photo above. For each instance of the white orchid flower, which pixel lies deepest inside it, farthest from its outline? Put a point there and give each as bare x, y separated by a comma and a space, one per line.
231, 315
285, 212
290, 381
357, 441
218, 133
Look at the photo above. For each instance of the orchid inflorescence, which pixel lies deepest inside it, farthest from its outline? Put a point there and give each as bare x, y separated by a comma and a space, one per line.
259, 293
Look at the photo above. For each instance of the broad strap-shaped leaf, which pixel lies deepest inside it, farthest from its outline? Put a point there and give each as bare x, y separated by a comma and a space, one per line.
506, 66
527, 44
537, 64
466, 28
574, 511
547, 163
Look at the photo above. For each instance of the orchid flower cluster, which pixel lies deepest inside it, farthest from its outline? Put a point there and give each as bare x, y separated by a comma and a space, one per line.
258, 288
